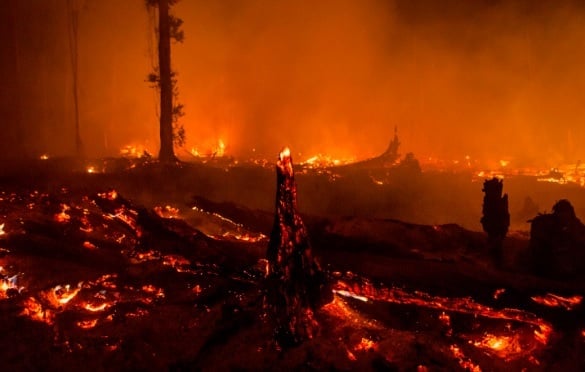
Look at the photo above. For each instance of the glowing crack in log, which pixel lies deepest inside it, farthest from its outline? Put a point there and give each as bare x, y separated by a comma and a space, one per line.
295, 282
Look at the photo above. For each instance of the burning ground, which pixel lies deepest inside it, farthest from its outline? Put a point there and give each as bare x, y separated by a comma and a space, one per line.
123, 269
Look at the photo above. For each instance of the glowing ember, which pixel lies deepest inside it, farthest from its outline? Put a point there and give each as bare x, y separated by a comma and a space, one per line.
464, 361
61, 295
110, 195
445, 319
506, 347
325, 161
87, 324
542, 334
7, 284
167, 211
96, 308
366, 345
90, 169
461, 305
498, 293
44, 157
2, 232
344, 293
89, 245
553, 300
63, 217
34, 310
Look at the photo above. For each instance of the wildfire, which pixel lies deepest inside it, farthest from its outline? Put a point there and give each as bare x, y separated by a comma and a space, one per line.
506, 347
498, 293
63, 217
87, 324
366, 290
464, 361
167, 211
218, 150
325, 161
7, 284
554, 300
134, 151
35, 311
2, 232
44, 157
61, 295
365, 345
109, 195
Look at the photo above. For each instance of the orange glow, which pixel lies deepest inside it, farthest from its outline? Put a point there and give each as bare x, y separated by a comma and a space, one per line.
35, 311
87, 324
464, 362
466, 305
553, 300
110, 195
506, 347
499, 292
61, 295
6, 284
89, 245
44, 157
2, 232
167, 211
63, 217
96, 308
366, 345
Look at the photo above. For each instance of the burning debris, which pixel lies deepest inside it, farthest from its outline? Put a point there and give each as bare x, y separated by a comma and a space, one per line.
295, 282
95, 279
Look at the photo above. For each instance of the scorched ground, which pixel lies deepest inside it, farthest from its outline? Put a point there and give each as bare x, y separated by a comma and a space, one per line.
145, 268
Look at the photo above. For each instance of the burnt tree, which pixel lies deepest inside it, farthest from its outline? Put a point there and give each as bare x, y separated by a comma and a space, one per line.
557, 242
166, 153
496, 218
296, 285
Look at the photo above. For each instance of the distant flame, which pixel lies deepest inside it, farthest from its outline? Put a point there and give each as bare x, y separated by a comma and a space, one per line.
63, 217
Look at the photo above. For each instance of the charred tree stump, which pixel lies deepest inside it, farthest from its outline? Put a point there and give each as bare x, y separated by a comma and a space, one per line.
496, 218
296, 285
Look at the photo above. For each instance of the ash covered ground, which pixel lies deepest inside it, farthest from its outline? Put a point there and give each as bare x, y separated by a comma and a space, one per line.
140, 266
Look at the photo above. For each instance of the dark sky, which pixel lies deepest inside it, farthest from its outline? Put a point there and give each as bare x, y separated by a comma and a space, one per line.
489, 79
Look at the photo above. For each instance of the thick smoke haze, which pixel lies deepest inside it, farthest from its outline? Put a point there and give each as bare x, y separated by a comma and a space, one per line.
488, 79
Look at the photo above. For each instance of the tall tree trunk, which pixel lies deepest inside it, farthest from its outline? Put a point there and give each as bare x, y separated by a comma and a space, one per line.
166, 153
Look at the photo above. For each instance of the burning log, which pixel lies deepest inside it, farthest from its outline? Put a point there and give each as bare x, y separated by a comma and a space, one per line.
496, 218
296, 285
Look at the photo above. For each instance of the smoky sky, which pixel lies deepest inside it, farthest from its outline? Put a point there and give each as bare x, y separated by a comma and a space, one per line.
488, 79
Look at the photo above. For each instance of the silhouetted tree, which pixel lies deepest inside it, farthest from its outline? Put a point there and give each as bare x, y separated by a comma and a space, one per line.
496, 218
170, 131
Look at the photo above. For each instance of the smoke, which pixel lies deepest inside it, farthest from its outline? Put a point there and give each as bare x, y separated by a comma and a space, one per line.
489, 79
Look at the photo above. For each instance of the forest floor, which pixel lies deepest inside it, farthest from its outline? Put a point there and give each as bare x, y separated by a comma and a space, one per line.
151, 267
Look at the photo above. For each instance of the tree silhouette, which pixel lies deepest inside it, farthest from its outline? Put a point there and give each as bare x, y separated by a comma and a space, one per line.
170, 131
